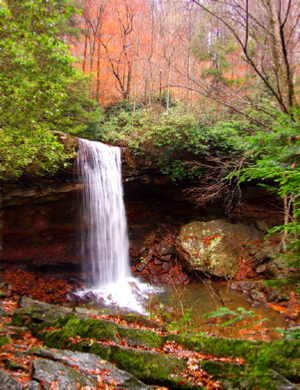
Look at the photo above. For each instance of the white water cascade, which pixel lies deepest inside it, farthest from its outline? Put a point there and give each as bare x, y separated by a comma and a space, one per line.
104, 230
105, 244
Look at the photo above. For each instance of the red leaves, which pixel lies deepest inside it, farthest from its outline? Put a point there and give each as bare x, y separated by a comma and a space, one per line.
54, 386
133, 325
208, 240
198, 377
7, 353
43, 288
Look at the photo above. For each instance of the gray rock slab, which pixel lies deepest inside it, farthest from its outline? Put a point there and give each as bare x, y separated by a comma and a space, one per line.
90, 365
33, 385
7, 382
66, 377
43, 310
283, 383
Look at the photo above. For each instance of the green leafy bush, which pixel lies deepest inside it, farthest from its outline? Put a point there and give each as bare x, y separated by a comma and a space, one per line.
174, 138
35, 73
276, 157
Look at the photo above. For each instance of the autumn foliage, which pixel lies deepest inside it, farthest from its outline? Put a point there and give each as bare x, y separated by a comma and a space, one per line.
139, 48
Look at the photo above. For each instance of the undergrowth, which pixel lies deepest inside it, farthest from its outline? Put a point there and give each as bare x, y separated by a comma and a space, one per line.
175, 139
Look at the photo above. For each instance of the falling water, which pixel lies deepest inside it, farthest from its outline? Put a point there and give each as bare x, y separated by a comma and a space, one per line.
105, 241
104, 227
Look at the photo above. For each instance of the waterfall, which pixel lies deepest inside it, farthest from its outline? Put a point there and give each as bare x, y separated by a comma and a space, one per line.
104, 230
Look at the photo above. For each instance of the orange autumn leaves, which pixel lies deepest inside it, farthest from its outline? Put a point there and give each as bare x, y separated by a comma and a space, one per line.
143, 49
41, 287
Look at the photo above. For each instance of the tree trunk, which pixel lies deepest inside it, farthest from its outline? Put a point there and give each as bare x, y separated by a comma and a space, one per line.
84, 52
135, 83
168, 88
98, 73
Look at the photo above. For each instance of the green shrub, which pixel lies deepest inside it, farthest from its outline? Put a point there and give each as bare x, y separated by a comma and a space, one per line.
173, 138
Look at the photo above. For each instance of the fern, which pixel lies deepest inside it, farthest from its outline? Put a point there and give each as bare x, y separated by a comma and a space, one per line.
255, 322
291, 334
239, 314
223, 311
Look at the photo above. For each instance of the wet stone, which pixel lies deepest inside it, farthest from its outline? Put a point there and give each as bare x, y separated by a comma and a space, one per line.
261, 268
88, 366
48, 371
272, 295
74, 298
141, 267
165, 248
90, 296
166, 267
255, 304
244, 286
148, 258
7, 382
259, 297
33, 385
42, 311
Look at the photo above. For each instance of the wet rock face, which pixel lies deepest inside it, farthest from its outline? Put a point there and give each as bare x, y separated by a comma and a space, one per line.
158, 262
42, 222
215, 247
42, 225
40, 228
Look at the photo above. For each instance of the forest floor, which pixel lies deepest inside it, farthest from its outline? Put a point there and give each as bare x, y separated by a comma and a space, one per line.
42, 347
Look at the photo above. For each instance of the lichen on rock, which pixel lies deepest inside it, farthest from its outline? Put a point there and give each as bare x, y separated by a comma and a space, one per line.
215, 247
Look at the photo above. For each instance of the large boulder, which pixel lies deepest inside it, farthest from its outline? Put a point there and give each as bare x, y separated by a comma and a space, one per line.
216, 247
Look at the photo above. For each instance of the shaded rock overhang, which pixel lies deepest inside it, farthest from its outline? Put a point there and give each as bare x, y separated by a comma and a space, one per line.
40, 217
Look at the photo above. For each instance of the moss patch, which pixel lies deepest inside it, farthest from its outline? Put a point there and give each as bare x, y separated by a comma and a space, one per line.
268, 365
280, 355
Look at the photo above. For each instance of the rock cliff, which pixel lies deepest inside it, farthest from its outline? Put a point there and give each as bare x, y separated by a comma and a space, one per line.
41, 219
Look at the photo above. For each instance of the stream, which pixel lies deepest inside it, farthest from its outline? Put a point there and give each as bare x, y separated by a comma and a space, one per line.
193, 301
183, 307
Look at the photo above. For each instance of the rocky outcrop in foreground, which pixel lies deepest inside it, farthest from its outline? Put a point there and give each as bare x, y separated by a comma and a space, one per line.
90, 351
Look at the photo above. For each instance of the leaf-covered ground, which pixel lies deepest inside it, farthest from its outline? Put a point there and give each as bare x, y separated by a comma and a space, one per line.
37, 286
17, 340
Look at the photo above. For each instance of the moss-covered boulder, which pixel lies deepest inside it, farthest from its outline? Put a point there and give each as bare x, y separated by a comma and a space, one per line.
95, 330
261, 358
42, 311
215, 247
69, 141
